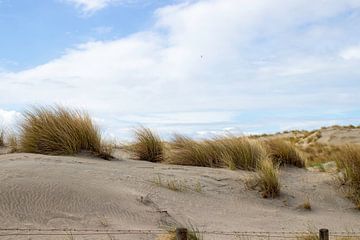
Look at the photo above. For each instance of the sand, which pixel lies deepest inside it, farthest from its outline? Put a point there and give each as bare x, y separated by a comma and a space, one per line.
38, 191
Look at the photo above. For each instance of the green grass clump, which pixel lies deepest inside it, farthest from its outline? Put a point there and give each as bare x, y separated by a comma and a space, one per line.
148, 146
348, 161
59, 131
284, 153
267, 179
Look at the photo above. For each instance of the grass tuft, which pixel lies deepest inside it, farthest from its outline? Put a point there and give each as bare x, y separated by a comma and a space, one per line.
348, 161
267, 179
59, 131
148, 146
233, 152
2, 138
186, 151
284, 153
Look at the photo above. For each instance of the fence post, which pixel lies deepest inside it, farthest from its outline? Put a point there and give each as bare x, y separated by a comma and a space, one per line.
324, 234
181, 234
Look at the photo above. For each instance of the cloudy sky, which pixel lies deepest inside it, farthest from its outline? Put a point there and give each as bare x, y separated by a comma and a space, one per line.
195, 67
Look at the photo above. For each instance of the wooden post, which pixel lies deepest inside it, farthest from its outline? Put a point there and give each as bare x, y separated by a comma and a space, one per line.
324, 234
181, 234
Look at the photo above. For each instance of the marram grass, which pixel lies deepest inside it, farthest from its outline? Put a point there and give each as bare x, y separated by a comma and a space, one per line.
268, 179
230, 151
348, 161
59, 131
284, 152
148, 146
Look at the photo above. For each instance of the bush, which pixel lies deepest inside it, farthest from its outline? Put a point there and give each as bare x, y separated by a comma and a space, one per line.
284, 153
148, 146
348, 160
59, 131
267, 179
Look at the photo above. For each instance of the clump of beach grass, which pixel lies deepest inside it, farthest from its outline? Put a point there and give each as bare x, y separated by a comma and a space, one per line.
284, 152
59, 131
230, 151
12, 143
148, 146
241, 152
192, 234
2, 138
186, 151
267, 179
305, 205
348, 161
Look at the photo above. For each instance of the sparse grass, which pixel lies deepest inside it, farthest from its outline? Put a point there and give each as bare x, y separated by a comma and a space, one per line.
348, 161
12, 142
177, 185
173, 184
317, 153
266, 179
59, 131
148, 146
106, 150
309, 236
193, 234
306, 205
284, 152
233, 152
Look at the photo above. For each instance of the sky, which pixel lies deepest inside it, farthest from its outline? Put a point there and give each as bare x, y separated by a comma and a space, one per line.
197, 67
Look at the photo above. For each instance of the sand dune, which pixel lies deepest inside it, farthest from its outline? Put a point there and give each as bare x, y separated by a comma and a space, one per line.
81, 192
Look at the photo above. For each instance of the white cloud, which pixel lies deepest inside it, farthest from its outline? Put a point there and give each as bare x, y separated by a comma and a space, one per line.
209, 58
351, 53
89, 6
8, 119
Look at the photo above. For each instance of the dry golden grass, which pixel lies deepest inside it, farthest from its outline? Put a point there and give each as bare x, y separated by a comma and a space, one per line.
284, 152
2, 138
148, 146
306, 205
59, 131
309, 236
186, 151
12, 143
267, 179
348, 161
241, 153
233, 152
318, 153
193, 234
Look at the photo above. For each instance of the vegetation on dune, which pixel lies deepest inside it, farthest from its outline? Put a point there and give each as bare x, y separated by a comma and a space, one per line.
234, 152
348, 161
268, 179
60, 131
148, 146
2, 138
241, 153
192, 234
186, 151
284, 152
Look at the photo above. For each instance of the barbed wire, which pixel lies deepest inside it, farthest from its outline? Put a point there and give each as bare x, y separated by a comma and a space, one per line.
87, 232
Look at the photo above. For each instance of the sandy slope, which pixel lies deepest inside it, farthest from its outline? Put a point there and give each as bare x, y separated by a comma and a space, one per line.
39, 191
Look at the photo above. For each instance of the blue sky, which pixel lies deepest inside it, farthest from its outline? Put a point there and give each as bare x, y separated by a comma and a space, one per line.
196, 67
